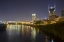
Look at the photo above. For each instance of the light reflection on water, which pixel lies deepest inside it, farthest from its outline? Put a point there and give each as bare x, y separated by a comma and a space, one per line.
33, 33
21, 33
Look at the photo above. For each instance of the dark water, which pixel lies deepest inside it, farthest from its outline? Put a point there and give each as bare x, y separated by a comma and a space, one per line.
18, 33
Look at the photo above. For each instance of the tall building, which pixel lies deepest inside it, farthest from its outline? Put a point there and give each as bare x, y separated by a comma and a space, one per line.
62, 13
52, 14
33, 17
51, 11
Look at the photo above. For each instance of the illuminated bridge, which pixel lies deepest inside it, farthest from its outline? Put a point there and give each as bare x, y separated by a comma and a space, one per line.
14, 22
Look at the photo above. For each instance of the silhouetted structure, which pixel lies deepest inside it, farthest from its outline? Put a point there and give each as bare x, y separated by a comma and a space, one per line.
62, 13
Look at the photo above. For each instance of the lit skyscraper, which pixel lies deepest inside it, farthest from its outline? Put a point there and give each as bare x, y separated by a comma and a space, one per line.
51, 11
33, 17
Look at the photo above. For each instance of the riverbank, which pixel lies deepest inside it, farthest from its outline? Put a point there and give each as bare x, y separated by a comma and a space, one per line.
57, 28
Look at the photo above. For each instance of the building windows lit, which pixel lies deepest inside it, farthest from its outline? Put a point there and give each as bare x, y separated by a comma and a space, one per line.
33, 17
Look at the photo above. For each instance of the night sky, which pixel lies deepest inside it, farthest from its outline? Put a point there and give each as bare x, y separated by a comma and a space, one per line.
21, 10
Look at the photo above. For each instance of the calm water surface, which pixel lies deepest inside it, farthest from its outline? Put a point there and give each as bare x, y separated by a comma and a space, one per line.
18, 33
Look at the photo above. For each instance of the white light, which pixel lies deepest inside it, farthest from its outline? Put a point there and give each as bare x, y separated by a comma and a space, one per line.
49, 11
33, 14
52, 40
51, 7
54, 10
11, 21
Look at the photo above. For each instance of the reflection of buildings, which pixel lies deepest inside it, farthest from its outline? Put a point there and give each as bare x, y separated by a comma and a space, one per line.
22, 29
52, 40
48, 39
33, 32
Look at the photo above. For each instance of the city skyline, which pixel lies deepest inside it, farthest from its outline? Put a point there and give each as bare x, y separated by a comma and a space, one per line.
23, 10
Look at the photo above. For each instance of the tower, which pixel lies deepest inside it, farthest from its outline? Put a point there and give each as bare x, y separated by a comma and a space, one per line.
52, 12
62, 13
33, 17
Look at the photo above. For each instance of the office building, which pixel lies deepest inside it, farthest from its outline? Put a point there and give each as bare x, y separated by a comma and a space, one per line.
33, 17
52, 13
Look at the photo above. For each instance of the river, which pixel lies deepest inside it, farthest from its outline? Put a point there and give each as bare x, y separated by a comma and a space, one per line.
22, 33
